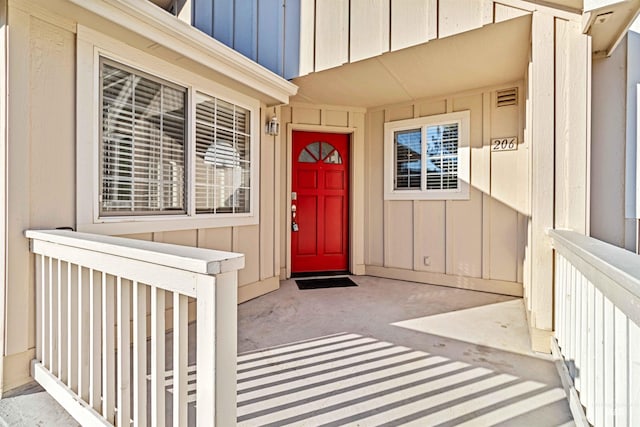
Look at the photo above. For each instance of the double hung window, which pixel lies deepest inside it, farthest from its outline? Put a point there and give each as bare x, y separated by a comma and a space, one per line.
427, 158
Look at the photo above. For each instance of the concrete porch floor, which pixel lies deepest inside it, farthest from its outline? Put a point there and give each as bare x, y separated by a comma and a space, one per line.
390, 352
385, 352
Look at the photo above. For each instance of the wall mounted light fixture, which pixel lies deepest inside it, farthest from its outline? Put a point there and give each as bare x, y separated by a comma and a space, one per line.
273, 127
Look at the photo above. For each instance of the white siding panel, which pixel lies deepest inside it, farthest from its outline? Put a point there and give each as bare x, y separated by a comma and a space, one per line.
413, 22
399, 234
503, 240
458, 16
332, 33
246, 240
504, 13
369, 28
464, 235
542, 120
374, 217
307, 37
429, 236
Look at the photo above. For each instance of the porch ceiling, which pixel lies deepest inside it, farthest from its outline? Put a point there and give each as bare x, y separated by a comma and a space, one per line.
495, 54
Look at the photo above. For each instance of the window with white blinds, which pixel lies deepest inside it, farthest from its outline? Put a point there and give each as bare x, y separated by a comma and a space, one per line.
146, 152
142, 153
442, 157
424, 157
223, 168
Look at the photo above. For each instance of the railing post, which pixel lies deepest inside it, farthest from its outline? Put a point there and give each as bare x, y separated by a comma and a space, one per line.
227, 341
217, 330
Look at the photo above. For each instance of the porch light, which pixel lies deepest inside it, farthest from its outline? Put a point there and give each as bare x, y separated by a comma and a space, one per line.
273, 127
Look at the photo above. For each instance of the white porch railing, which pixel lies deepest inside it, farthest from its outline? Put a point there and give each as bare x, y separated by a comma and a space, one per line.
597, 323
99, 299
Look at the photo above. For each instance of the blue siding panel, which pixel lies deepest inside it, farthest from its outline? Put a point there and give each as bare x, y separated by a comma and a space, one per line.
223, 21
245, 38
292, 39
271, 35
266, 31
203, 15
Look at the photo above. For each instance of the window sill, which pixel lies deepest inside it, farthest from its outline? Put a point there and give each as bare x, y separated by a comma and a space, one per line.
427, 195
146, 224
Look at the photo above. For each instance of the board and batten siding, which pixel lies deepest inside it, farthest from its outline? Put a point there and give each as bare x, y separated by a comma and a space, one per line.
477, 243
296, 37
40, 167
41, 176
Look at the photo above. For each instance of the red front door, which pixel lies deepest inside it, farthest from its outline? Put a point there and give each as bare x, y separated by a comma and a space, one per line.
320, 195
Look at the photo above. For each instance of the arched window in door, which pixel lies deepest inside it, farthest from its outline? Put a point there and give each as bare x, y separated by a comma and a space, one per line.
320, 151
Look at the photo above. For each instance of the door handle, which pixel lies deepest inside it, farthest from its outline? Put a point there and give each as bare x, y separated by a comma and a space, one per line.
294, 224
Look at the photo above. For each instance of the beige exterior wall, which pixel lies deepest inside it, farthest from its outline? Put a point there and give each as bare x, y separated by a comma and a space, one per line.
41, 172
614, 217
40, 165
477, 243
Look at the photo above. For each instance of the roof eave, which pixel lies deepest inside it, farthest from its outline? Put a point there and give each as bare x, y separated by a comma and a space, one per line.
150, 21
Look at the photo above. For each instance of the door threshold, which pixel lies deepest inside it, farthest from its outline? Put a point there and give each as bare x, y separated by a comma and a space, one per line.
320, 274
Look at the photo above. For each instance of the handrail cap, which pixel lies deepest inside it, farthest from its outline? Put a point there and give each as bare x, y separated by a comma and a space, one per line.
196, 260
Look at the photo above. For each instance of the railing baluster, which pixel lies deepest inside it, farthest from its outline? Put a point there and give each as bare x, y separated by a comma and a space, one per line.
84, 325
575, 368
95, 340
609, 348
157, 357
62, 322
46, 307
634, 374
591, 353
46, 314
621, 368
573, 317
584, 340
39, 298
599, 359
108, 347
124, 353
53, 316
72, 327
562, 297
180, 358
557, 321
140, 354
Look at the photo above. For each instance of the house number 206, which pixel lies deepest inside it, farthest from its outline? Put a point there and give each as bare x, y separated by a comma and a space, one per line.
504, 144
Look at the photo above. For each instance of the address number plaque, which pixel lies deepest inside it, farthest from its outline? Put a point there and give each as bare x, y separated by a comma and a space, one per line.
504, 144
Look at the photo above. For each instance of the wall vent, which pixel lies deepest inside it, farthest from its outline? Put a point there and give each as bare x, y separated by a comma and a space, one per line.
507, 97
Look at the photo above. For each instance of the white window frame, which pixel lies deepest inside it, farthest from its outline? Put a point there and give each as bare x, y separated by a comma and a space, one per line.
91, 46
462, 118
